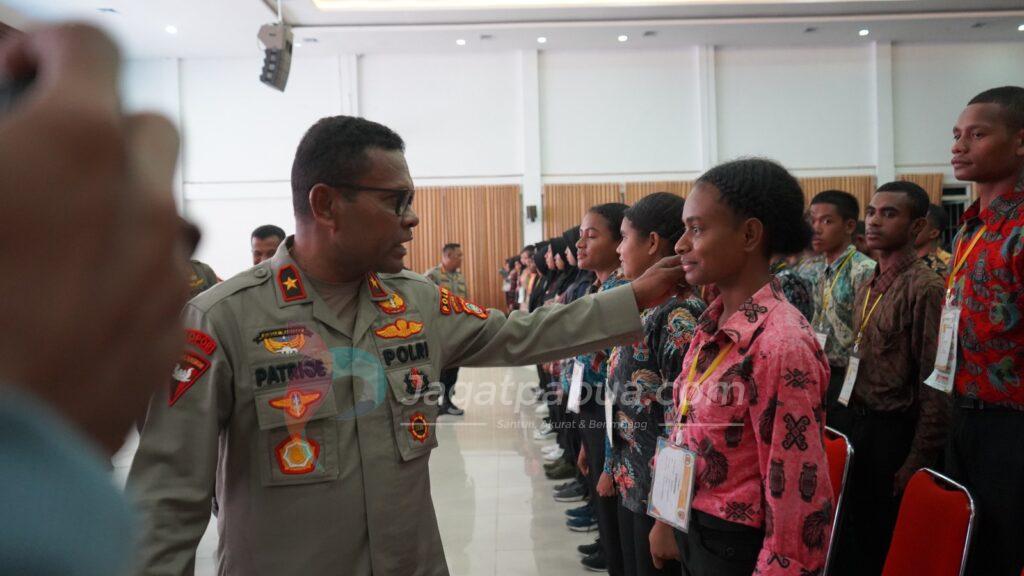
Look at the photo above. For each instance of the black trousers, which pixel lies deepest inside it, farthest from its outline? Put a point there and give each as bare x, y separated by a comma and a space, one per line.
835, 385
881, 442
448, 378
716, 547
634, 535
986, 453
607, 509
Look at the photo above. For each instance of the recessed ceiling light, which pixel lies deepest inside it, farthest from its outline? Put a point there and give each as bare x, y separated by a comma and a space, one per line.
108, 10
623, 38
864, 32
171, 29
460, 42
541, 40
310, 40
298, 44
810, 30
1020, 28
650, 34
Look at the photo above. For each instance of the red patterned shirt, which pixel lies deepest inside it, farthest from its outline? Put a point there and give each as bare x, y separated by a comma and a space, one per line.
990, 290
757, 425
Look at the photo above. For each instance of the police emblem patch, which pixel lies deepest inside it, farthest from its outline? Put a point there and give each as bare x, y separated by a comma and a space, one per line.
401, 328
290, 283
419, 428
186, 372
394, 304
284, 341
415, 381
296, 402
201, 340
297, 455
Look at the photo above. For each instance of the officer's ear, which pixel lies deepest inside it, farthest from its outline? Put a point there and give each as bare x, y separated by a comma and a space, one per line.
321, 203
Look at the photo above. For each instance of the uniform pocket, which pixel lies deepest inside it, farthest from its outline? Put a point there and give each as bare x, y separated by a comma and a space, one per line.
298, 434
413, 396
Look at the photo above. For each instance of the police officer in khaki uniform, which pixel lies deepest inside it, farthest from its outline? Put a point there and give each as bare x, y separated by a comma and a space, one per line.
448, 275
201, 279
303, 396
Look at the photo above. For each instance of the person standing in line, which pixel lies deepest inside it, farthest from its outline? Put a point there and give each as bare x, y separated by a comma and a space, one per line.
264, 241
986, 284
448, 274
895, 422
927, 242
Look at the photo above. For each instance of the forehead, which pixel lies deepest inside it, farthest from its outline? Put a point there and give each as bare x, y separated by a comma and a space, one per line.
387, 169
894, 200
593, 221
987, 114
822, 209
703, 202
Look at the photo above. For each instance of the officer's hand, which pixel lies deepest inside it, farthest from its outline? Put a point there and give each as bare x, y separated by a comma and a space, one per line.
663, 544
94, 268
605, 485
660, 282
581, 461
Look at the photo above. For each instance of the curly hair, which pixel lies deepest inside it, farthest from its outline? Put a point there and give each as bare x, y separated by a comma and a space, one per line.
612, 212
661, 213
763, 189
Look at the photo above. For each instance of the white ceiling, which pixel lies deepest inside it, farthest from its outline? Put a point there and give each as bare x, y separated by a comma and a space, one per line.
215, 28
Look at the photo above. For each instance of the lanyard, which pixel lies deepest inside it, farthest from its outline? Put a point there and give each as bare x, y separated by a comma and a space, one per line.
960, 261
685, 409
867, 317
826, 298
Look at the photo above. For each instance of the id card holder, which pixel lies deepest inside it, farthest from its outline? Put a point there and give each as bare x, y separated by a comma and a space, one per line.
575, 388
849, 380
672, 488
609, 414
945, 352
822, 338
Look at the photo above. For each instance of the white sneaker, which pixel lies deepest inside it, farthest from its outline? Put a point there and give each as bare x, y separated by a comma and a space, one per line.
542, 410
543, 431
556, 455
550, 449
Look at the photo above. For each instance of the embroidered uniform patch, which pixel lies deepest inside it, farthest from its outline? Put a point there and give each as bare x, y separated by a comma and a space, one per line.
415, 381
376, 289
201, 340
290, 283
186, 372
401, 328
394, 304
419, 428
405, 353
284, 341
446, 300
297, 455
296, 403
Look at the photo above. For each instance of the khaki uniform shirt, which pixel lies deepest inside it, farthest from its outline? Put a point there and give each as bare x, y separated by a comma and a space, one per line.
315, 432
454, 281
201, 278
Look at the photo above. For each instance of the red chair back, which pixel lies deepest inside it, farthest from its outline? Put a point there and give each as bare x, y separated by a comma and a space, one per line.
840, 459
933, 530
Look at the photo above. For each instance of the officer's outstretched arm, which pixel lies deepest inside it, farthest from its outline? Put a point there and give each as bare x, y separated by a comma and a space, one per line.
172, 477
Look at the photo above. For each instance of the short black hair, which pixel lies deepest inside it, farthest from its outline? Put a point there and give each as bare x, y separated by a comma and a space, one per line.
763, 189
612, 212
268, 230
917, 196
449, 247
333, 151
1010, 98
845, 203
661, 213
937, 217
528, 249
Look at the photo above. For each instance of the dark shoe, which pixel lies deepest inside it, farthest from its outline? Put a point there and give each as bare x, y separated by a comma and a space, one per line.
580, 512
589, 549
453, 410
563, 486
556, 464
583, 524
595, 562
571, 494
563, 472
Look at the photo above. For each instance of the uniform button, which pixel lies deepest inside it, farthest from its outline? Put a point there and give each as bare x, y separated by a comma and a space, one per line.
260, 272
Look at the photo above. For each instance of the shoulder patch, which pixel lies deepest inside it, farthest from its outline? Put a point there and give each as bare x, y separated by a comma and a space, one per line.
290, 284
186, 372
220, 291
201, 340
401, 328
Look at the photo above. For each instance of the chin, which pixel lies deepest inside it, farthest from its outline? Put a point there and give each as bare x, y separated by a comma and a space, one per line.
391, 266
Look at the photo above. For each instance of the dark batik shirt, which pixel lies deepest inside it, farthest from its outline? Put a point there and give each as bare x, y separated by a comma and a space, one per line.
796, 288
897, 352
641, 376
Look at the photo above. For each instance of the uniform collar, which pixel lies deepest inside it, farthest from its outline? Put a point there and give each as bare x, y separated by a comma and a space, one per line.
741, 326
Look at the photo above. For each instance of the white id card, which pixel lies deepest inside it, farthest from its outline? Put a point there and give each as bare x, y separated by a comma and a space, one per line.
945, 353
849, 380
675, 470
822, 338
575, 388
609, 414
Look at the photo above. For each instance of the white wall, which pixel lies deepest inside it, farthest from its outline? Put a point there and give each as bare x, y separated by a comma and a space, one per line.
486, 117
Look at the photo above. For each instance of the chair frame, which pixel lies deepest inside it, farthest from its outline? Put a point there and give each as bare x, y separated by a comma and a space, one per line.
837, 517
950, 483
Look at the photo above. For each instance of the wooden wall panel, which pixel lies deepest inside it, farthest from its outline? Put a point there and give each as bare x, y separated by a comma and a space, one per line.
486, 220
932, 184
565, 204
860, 186
637, 190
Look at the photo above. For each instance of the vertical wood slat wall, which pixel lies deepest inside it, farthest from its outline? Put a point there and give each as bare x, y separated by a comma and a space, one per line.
932, 184
860, 186
565, 204
637, 190
486, 220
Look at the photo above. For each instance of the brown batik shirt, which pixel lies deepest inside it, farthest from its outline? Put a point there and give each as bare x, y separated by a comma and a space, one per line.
897, 352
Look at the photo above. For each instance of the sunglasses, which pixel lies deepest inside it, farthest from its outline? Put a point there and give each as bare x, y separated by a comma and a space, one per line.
404, 195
